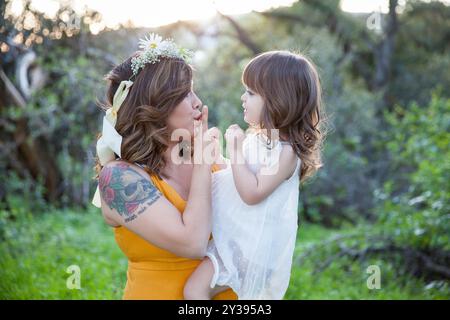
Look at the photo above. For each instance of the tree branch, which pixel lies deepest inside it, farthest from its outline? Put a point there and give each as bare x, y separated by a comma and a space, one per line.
242, 35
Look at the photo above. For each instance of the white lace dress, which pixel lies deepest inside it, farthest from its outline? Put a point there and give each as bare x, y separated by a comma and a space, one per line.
252, 246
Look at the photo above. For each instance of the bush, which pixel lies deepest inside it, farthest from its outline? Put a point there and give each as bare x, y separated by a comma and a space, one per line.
412, 230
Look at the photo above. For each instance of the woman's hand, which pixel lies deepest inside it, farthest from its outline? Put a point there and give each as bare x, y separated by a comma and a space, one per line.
206, 141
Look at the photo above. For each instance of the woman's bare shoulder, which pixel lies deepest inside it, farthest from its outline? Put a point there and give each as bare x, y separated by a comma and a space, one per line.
123, 167
121, 164
123, 187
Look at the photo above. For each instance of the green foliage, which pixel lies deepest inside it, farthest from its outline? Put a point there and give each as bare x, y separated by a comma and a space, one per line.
22, 195
411, 233
62, 120
421, 60
415, 208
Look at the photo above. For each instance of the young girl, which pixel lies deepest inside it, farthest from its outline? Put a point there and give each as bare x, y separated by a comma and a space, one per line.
255, 196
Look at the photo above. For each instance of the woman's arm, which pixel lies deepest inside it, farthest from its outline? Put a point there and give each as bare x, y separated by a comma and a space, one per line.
130, 199
253, 188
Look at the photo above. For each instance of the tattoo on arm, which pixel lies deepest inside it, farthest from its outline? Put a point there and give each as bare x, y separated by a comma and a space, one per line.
126, 190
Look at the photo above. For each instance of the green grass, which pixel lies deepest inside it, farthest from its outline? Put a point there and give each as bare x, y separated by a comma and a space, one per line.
36, 251
345, 279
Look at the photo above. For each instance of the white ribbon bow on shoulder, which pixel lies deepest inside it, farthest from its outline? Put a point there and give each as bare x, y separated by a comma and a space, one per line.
110, 142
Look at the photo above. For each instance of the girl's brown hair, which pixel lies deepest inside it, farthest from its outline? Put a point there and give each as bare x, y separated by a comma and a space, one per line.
290, 87
142, 119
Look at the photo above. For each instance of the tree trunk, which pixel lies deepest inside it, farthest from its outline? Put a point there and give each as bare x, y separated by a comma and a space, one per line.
34, 155
384, 50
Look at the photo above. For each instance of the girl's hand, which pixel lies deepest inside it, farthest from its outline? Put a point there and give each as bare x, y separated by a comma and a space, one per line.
234, 137
214, 136
214, 132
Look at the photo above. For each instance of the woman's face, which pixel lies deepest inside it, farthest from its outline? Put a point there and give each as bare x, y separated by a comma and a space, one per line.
183, 116
253, 105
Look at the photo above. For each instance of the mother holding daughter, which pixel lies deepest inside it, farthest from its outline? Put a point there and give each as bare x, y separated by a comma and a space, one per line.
164, 208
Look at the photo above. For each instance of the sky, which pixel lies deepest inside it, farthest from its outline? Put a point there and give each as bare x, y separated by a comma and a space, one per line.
154, 13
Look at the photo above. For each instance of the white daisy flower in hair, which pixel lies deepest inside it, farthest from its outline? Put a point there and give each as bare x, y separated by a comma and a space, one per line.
153, 48
151, 42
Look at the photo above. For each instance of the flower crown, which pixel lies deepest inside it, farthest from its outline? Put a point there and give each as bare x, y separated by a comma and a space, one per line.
153, 48
109, 144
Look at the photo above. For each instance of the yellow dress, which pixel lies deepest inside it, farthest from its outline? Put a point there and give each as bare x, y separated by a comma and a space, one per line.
154, 273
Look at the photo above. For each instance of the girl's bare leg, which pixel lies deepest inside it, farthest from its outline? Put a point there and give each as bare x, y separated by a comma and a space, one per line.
197, 286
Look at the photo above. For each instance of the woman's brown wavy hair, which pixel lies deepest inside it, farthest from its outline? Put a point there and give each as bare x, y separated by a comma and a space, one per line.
142, 119
290, 87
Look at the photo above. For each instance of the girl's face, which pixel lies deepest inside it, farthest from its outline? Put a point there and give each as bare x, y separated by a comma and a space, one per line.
253, 105
183, 116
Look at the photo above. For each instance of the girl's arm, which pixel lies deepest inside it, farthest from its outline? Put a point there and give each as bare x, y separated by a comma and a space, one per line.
253, 188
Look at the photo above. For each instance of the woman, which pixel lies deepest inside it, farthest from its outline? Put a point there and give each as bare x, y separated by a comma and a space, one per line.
160, 207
